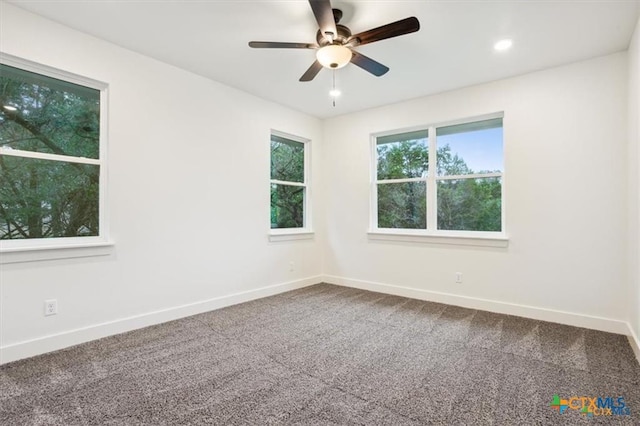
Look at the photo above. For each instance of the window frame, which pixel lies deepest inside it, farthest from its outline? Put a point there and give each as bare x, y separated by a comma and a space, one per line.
431, 234
306, 231
17, 250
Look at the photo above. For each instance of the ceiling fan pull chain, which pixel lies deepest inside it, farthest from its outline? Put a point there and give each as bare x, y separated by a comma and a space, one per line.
334, 88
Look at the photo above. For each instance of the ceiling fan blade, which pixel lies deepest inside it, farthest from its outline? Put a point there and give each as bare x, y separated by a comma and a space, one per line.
313, 70
394, 29
368, 64
280, 45
324, 15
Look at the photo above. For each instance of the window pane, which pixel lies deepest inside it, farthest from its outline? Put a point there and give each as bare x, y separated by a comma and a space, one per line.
403, 156
287, 206
470, 148
44, 114
287, 160
402, 205
45, 199
470, 204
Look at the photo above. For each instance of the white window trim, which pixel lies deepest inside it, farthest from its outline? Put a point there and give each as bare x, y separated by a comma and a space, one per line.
13, 251
290, 234
431, 235
63, 250
463, 238
306, 232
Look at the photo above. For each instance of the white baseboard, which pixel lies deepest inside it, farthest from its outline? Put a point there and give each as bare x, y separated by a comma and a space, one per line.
634, 342
568, 318
65, 339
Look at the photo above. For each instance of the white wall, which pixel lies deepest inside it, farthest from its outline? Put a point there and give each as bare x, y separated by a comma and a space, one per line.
565, 134
188, 198
634, 182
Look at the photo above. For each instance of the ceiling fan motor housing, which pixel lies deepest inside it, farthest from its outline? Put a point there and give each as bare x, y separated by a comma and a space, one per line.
341, 38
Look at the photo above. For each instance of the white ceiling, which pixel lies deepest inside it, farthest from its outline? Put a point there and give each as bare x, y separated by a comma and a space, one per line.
454, 47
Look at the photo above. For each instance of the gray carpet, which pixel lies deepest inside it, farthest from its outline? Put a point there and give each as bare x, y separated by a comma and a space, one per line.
327, 355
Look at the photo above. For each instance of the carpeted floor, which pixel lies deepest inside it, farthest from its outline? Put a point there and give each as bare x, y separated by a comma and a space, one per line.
327, 355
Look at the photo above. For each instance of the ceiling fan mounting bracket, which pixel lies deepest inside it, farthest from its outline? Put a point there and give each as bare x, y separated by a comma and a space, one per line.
341, 38
337, 15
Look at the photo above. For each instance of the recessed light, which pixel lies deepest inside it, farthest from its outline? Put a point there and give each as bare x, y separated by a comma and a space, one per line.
503, 45
334, 93
9, 107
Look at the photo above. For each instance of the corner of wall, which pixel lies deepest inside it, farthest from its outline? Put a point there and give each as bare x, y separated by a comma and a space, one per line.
634, 184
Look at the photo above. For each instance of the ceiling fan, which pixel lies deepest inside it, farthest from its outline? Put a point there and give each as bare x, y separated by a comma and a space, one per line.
335, 42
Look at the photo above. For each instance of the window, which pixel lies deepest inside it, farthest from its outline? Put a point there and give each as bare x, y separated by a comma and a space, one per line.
52, 145
289, 183
441, 180
402, 170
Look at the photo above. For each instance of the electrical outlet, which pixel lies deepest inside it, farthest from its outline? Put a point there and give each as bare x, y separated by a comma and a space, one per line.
50, 307
292, 266
458, 277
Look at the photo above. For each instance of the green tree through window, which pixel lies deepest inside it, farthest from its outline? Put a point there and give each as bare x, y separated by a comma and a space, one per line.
288, 183
467, 199
49, 157
402, 201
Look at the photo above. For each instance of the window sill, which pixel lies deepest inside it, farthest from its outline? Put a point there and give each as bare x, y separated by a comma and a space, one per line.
54, 252
277, 235
451, 238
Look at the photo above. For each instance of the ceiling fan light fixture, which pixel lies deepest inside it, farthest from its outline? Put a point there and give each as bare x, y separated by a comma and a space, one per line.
334, 56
